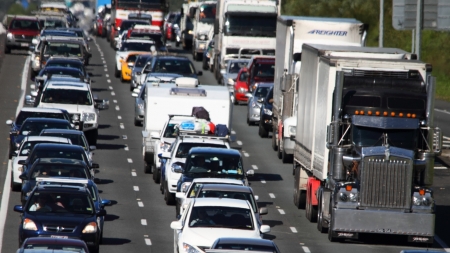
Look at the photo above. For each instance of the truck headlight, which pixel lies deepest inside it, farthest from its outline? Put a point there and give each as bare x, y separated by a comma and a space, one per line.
348, 193
292, 130
88, 117
267, 112
10, 36
423, 197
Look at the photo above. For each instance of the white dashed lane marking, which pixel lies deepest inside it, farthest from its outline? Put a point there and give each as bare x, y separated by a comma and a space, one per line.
294, 230
239, 143
109, 81
255, 167
148, 242
144, 222
233, 132
106, 70
122, 126
281, 211
272, 196
130, 160
117, 108
106, 75
133, 174
126, 148
306, 249
263, 181
140, 204
119, 117
245, 154
113, 93
115, 101
110, 87
136, 188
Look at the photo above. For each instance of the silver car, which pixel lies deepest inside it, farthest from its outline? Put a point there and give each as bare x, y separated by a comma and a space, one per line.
256, 98
139, 110
230, 73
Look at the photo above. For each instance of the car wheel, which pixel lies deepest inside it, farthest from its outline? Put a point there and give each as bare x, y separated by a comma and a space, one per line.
279, 154
137, 122
274, 141
248, 120
15, 187
262, 132
7, 50
147, 168
199, 56
168, 197
9, 153
121, 77
300, 199
310, 210
116, 71
235, 102
205, 64
156, 172
95, 249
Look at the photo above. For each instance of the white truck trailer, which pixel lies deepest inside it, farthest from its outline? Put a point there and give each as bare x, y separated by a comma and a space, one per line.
243, 28
365, 142
292, 32
163, 100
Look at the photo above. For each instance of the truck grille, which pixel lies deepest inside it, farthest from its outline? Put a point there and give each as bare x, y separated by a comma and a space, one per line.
386, 183
26, 38
59, 229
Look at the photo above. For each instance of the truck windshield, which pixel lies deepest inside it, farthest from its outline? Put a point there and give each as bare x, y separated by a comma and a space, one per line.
237, 25
207, 13
369, 137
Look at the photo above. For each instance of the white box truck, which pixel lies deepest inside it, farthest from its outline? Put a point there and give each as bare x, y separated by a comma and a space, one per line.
365, 142
292, 32
243, 28
162, 100
203, 22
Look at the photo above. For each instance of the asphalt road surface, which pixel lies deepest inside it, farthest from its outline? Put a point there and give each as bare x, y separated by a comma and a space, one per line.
139, 220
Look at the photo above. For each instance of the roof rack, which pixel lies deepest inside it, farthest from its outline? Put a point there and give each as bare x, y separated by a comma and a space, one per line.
179, 115
48, 13
67, 182
189, 134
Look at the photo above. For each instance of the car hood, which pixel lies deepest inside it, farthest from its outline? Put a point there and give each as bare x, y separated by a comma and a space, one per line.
24, 32
69, 220
68, 107
205, 237
230, 75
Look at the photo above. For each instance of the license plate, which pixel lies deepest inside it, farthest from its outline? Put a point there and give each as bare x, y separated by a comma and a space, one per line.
59, 236
24, 44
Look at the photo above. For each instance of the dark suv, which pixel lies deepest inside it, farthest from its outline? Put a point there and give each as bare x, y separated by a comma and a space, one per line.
21, 31
61, 211
265, 118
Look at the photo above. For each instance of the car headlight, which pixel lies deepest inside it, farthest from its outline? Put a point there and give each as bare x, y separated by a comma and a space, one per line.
267, 112
76, 117
88, 117
28, 224
185, 186
189, 249
10, 36
243, 90
90, 228
292, 130
190, 32
17, 145
164, 146
255, 105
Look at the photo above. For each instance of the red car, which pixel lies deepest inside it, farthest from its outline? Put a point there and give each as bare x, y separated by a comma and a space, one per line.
169, 21
104, 13
241, 87
21, 31
49, 243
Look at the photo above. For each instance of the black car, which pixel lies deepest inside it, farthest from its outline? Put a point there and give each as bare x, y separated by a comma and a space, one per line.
52, 167
34, 126
265, 119
76, 137
30, 112
61, 211
70, 63
180, 65
49, 71
53, 150
213, 163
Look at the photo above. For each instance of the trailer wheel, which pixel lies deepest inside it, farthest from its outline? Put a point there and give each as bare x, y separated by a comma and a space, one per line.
310, 210
274, 141
147, 168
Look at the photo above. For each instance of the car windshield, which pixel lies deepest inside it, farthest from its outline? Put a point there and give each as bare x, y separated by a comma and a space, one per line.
261, 92
62, 71
220, 165
60, 203
67, 96
57, 170
140, 61
68, 64
23, 115
264, 70
25, 24
136, 46
221, 216
41, 246
235, 66
230, 195
246, 247
52, 23
132, 58
156, 38
207, 13
65, 49
371, 137
74, 138
32, 128
49, 153
175, 66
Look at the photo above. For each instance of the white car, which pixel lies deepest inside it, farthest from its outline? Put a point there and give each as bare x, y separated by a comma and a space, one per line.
184, 198
177, 155
22, 154
207, 219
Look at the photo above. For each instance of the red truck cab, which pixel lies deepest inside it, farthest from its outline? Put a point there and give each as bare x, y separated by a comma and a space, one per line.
261, 69
21, 31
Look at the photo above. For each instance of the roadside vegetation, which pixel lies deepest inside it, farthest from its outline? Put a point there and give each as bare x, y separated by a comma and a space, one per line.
435, 46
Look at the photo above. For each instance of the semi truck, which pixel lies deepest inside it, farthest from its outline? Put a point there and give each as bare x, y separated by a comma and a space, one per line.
243, 28
365, 142
292, 32
203, 22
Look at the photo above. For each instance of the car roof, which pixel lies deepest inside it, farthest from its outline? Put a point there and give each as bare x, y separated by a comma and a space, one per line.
47, 138
219, 151
62, 147
265, 85
218, 180
238, 203
226, 187
65, 131
65, 59
201, 139
250, 241
175, 57
58, 241
40, 109
54, 84
46, 120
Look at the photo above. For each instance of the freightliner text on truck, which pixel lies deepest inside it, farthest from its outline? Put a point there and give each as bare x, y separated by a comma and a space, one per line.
243, 28
365, 142
292, 32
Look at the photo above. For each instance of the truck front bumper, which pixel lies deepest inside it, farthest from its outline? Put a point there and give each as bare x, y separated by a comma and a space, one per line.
347, 223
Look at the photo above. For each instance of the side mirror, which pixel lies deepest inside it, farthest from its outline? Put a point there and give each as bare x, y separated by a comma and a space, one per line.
18, 208
263, 211
249, 95
102, 104
155, 135
261, 100
106, 202
102, 212
23, 177
34, 93
180, 195
256, 197
95, 165
230, 81
31, 48
136, 90
200, 73
177, 225
134, 94
264, 229
9, 122
165, 155
250, 173
177, 168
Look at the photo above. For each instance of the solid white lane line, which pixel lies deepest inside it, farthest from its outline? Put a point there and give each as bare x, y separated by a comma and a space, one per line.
294, 230
144, 222
440, 168
272, 196
255, 167
306, 249
136, 188
148, 242
130, 160
281, 211
119, 117
239, 143
442, 243
140, 204
443, 111
133, 174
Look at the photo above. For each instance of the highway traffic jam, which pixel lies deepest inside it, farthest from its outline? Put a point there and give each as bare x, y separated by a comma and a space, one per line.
155, 131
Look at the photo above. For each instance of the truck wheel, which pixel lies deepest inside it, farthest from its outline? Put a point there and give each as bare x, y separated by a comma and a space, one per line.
310, 210
168, 197
262, 132
116, 71
7, 50
147, 169
205, 64
285, 158
300, 199
330, 234
274, 141
320, 220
